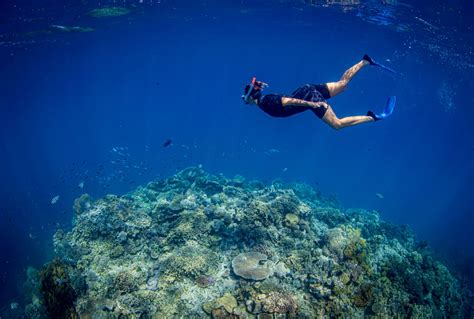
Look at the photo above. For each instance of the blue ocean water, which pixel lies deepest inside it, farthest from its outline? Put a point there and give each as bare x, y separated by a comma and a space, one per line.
91, 111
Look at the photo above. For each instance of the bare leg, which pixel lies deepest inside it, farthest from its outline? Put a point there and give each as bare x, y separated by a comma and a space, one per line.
336, 123
337, 87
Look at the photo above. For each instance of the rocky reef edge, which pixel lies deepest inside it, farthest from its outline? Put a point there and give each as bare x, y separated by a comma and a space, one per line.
197, 245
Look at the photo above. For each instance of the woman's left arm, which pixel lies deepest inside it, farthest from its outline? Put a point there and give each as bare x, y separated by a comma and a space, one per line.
291, 101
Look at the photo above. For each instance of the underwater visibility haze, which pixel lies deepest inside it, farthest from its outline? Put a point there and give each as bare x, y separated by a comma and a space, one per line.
136, 183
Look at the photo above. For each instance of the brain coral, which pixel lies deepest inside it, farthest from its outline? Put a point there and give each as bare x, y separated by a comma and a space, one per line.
252, 265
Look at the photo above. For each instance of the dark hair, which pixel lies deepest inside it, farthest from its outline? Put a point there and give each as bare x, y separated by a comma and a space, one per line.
255, 94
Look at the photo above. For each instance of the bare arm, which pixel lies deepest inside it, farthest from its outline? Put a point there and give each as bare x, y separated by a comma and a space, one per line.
291, 101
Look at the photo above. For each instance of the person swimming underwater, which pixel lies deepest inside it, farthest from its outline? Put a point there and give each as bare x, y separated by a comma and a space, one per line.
313, 97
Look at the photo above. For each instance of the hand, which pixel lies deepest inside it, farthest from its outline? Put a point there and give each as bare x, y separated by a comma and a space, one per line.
261, 84
319, 104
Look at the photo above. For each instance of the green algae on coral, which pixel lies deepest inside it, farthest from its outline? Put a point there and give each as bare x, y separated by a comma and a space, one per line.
228, 302
57, 292
291, 220
108, 12
180, 248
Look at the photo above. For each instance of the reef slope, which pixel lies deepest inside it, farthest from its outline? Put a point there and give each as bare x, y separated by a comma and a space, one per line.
197, 245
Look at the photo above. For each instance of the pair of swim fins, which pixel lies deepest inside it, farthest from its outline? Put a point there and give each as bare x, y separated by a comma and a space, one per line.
392, 100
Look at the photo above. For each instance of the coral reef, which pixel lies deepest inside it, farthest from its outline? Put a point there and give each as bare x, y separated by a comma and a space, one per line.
197, 245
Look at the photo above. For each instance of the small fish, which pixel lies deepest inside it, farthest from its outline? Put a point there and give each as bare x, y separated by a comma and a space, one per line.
426, 23
284, 170
31, 236
272, 151
167, 143
55, 199
14, 305
379, 195
60, 27
81, 185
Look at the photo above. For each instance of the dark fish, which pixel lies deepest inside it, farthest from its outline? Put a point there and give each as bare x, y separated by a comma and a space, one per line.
167, 143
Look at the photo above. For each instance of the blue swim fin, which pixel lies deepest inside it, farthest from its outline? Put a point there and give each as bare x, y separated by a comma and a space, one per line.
388, 110
375, 63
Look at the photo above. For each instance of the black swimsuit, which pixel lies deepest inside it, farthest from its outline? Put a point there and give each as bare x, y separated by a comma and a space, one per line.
272, 105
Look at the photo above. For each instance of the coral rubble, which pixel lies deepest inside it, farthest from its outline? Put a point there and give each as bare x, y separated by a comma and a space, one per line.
197, 245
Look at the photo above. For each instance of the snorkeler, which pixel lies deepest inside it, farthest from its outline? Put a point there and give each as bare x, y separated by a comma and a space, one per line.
313, 97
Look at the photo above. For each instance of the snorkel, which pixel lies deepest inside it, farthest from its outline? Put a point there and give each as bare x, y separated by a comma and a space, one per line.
253, 86
246, 96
